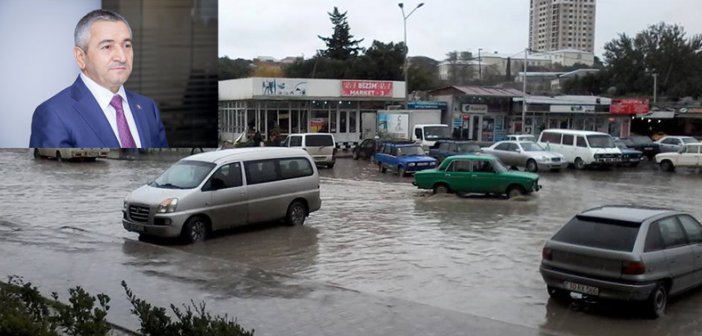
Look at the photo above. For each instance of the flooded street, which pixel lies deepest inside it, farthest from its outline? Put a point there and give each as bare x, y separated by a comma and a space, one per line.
442, 257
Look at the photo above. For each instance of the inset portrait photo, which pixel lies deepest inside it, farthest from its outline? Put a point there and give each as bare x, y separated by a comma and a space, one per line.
109, 74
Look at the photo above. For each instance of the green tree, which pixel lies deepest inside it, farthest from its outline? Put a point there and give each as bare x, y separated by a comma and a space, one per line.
661, 49
341, 45
422, 74
382, 61
232, 69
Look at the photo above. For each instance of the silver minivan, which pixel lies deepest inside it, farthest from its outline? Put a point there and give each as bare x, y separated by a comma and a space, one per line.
224, 189
625, 253
320, 146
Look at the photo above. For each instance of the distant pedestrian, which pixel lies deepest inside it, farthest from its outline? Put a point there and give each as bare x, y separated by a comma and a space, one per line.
257, 139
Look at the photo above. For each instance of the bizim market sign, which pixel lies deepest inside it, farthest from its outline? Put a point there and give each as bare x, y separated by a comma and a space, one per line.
360, 88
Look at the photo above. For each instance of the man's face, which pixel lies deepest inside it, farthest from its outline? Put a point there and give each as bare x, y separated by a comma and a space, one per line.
108, 58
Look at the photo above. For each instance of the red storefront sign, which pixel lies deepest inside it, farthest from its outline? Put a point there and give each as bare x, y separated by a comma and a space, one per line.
629, 106
358, 88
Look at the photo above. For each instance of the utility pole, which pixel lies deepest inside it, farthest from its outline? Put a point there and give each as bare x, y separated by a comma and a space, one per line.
480, 66
524, 87
655, 87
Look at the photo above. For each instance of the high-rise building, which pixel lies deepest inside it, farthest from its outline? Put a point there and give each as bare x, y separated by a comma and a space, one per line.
562, 24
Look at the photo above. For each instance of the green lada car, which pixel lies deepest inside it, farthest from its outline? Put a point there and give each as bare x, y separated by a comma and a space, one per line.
476, 174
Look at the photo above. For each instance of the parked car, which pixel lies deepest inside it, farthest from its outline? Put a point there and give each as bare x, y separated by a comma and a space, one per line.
525, 154
688, 156
630, 156
521, 137
402, 158
60, 154
476, 174
222, 189
582, 148
624, 253
321, 146
368, 147
445, 148
644, 144
673, 143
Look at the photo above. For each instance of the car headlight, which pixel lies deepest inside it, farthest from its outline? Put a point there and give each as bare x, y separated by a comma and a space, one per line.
433, 163
124, 204
168, 205
412, 164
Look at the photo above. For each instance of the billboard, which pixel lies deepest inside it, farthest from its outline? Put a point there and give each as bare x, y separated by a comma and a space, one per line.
365, 88
629, 106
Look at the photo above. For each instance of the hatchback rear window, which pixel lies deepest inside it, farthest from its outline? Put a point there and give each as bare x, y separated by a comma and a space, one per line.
319, 140
599, 233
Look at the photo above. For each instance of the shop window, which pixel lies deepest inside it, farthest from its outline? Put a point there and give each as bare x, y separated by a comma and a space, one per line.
352, 121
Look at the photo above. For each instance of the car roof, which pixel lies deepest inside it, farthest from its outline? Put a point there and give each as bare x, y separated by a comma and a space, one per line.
575, 132
329, 134
628, 213
471, 157
460, 141
679, 137
248, 153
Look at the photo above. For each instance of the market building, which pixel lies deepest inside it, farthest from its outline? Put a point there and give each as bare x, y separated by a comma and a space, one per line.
345, 108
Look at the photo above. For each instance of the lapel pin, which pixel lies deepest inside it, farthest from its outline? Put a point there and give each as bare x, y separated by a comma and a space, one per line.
138, 106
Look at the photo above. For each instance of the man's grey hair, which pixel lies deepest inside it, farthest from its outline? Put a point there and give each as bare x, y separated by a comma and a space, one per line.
82, 32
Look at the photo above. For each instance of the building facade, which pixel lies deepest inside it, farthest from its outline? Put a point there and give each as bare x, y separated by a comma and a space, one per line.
345, 108
562, 24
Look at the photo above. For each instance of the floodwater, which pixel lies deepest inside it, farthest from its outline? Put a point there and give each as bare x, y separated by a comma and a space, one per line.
376, 234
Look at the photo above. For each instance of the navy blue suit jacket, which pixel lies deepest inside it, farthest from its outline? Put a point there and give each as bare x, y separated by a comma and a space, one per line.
73, 119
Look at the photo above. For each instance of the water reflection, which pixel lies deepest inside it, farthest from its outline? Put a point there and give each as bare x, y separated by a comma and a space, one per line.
225, 278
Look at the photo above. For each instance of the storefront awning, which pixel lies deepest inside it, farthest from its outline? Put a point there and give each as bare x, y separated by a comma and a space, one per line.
659, 115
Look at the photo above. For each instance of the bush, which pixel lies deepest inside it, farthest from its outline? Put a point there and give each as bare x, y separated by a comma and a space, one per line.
23, 311
155, 321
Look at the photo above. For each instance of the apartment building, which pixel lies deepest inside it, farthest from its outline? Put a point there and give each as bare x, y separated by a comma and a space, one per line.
562, 24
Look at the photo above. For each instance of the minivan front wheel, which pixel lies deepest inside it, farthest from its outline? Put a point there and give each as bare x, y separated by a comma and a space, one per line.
296, 214
579, 164
194, 230
656, 303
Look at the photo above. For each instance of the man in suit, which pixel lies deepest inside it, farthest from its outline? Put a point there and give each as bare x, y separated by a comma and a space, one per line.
96, 111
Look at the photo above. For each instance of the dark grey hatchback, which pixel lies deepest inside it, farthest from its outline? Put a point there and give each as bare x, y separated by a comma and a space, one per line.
625, 253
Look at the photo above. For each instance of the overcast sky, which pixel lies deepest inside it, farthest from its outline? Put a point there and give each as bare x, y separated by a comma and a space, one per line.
280, 28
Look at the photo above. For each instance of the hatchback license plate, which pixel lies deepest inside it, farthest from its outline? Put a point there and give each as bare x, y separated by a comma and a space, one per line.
580, 288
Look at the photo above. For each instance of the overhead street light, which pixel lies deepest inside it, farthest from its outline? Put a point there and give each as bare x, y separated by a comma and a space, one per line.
404, 19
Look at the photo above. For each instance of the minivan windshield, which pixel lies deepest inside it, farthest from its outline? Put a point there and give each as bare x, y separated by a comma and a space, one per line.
600, 141
183, 175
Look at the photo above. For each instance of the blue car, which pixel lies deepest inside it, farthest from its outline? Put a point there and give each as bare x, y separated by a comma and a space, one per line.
402, 158
630, 156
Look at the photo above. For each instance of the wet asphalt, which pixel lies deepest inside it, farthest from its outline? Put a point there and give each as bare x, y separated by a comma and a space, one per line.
380, 258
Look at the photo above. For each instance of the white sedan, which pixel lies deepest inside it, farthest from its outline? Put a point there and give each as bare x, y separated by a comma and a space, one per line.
525, 154
688, 156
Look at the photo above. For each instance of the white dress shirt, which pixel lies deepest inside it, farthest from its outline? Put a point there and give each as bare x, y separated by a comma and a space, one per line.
104, 97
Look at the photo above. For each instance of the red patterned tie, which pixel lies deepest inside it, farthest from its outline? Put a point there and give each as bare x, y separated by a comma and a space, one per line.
125, 136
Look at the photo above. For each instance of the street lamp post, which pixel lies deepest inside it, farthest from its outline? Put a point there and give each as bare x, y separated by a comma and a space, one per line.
404, 19
480, 65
